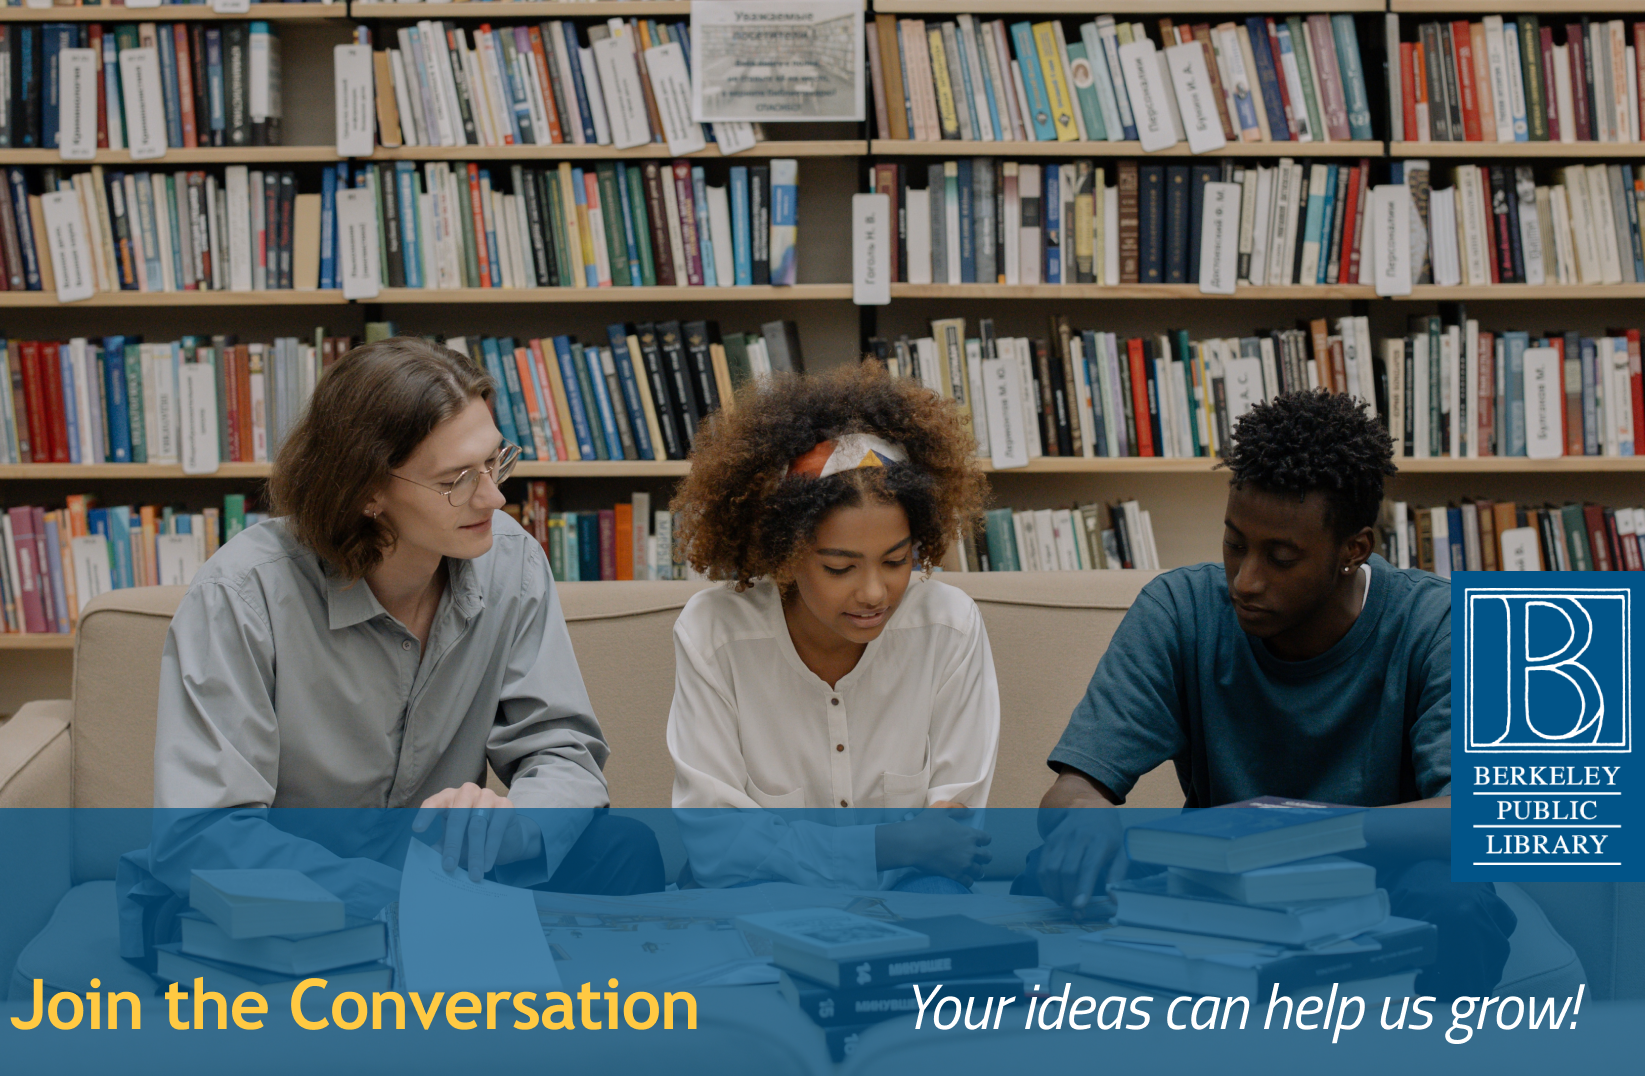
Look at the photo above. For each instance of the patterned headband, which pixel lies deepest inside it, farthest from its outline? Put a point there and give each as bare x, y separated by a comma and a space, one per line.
847, 453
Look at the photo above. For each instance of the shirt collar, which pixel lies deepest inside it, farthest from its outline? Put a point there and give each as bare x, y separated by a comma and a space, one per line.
350, 603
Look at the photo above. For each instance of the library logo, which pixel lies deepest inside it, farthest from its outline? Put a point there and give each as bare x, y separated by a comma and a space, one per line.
1547, 670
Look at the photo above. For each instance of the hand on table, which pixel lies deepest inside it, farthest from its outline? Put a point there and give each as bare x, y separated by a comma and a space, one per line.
1081, 856
935, 841
475, 817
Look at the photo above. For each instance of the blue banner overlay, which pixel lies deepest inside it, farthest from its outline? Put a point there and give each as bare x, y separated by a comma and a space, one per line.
1542, 734
815, 941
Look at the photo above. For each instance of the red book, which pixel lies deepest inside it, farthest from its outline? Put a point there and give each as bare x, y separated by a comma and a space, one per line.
185, 84
34, 393
555, 134
1356, 249
1636, 380
1573, 404
51, 365
95, 43
19, 402
1462, 45
688, 223
1576, 42
1550, 85
1492, 260
1484, 374
608, 544
551, 411
885, 182
1408, 88
1139, 396
30, 610
1593, 515
242, 371
1284, 90
42, 568
1341, 256
478, 213
623, 539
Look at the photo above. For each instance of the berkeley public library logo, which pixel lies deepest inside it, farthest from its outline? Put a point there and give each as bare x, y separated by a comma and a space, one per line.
1543, 780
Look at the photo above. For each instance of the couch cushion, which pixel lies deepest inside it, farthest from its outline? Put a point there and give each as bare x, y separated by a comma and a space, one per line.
80, 942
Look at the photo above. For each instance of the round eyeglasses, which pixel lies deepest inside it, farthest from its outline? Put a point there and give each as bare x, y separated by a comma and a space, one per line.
460, 491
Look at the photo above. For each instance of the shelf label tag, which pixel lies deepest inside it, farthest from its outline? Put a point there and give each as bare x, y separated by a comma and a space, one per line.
733, 136
356, 100
1219, 239
77, 104
671, 85
1544, 404
1193, 85
357, 242
1002, 403
145, 108
197, 385
1155, 130
230, 7
872, 233
1391, 238
70, 252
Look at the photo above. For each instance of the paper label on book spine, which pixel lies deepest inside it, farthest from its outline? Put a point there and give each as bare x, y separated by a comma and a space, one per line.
1200, 120
1390, 241
197, 385
145, 108
228, 7
1219, 238
872, 233
1544, 404
356, 99
620, 86
78, 75
178, 559
357, 242
671, 86
1002, 403
733, 137
91, 566
1142, 82
69, 246
144, 3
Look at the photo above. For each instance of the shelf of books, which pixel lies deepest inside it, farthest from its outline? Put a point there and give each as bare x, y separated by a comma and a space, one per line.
1116, 7
694, 294
1572, 151
888, 147
1509, 7
300, 11
518, 9
1127, 291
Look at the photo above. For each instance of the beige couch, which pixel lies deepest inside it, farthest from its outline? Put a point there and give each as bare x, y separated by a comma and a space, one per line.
1047, 631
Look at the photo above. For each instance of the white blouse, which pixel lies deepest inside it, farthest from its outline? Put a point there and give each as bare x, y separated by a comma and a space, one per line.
915, 722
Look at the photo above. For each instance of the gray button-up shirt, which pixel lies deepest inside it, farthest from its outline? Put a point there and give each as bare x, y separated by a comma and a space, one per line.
284, 686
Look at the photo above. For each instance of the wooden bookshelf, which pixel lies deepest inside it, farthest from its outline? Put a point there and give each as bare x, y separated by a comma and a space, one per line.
176, 299
256, 155
522, 9
35, 641
753, 293
1511, 7
1298, 292
890, 147
176, 13
1498, 150
1518, 293
1117, 7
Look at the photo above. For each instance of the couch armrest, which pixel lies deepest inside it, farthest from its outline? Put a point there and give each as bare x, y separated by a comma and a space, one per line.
34, 755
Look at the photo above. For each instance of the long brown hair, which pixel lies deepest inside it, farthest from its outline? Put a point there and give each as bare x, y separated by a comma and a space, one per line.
368, 414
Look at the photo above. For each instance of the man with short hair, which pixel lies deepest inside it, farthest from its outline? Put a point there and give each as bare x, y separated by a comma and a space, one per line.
1308, 668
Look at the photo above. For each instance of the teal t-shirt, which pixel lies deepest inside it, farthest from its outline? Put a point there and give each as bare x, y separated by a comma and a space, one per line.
1368, 722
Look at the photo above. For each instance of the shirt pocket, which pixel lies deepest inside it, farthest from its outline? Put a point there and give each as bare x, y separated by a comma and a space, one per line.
905, 789
796, 798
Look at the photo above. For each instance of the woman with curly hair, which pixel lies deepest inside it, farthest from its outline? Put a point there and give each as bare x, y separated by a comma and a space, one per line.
826, 674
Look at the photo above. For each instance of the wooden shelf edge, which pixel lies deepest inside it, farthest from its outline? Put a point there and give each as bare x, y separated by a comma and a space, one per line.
506, 9
1505, 7
1518, 293
756, 293
1124, 291
1115, 7
850, 147
11, 640
183, 299
894, 147
1489, 150
305, 12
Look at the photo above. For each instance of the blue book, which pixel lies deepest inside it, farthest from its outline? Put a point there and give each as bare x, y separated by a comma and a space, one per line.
516, 395
1039, 105
964, 100
1327, 213
1051, 215
1353, 76
1514, 344
1250, 838
1268, 76
908, 96
168, 86
216, 103
18, 183
119, 536
27, 56
54, 38
989, 93
148, 222
591, 405
1459, 551
1633, 221
328, 225
1522, 132
705, 234
968, 240
742, 249
574, 398
116, 401
574, 55
631, 390
54, 567
504, 402
588, 545
602, 400
405, 191
111, 85
631, 236
1311, 223
491, 234
1176, 224
1093, 375
70, 410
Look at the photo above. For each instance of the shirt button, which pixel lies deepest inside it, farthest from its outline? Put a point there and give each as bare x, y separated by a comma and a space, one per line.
405, 644
844, 804
839, 747
835, 701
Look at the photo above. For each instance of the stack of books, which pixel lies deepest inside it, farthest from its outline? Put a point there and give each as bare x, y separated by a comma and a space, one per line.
52, 562
1488, 536
219, 84
264, 930
986, 221
1096, 394
540, 85
1269, 80
1081, 538
848, 972
1497, 81
1254, 902
1457, 390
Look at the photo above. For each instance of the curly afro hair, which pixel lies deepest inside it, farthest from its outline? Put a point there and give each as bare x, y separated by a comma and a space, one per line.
1317, 440
743, 518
